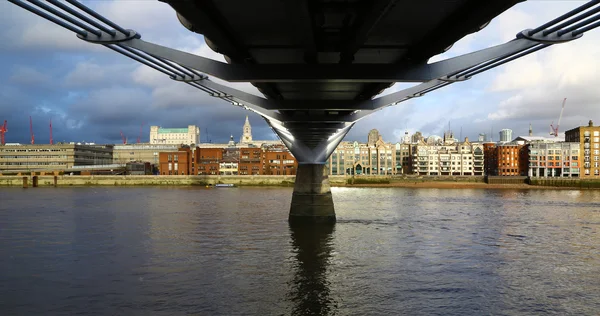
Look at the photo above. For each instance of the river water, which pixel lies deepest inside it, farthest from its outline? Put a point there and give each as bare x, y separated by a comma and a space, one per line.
188, 250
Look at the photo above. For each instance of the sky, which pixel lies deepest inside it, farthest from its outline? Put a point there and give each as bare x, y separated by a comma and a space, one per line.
92, 94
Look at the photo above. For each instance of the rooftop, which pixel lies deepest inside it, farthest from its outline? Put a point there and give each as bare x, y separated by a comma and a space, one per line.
173, 130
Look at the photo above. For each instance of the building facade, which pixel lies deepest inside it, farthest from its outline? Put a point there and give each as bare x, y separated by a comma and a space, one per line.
250, 161
512, 159
458, 159
588, 138
404, 158
229, 165
554, 159
208, 161
175, 162
506, 135
143, 152
506, 159
277, 160
175, 136
490, 159
18, 157
372, 158
270, 160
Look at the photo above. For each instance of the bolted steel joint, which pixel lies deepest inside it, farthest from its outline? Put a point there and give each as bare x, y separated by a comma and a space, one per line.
552, 38
454, 78
106, 38
187, 78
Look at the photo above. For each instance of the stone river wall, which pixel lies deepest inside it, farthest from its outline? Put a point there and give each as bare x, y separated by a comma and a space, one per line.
398, 180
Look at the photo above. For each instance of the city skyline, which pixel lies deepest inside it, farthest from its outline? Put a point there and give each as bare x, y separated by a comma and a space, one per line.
120, 95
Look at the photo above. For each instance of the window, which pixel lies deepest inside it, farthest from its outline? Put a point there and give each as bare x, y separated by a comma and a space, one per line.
596, 139
596, 133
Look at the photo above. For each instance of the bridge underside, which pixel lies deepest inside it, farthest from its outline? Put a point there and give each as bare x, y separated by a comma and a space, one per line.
320, 64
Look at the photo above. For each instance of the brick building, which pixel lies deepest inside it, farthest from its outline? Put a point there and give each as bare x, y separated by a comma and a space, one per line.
506, 159
229, 165
513, 159
175, 162
490, 158
207, 160
250, 161
270, 160
277, 160
588, 138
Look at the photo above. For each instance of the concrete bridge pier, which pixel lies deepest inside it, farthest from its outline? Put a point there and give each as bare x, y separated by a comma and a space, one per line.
312, 201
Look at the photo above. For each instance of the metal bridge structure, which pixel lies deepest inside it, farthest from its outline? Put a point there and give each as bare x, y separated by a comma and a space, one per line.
320, 64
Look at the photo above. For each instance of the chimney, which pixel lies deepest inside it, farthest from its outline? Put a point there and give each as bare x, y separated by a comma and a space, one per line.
591, 123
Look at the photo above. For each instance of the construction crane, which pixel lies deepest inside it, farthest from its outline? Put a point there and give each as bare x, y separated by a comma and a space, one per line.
51, 140
555, 129
31, 131
3, 130
123, 137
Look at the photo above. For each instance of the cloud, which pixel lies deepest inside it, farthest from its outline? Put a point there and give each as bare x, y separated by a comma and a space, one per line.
21, 30
28, 76
90, 73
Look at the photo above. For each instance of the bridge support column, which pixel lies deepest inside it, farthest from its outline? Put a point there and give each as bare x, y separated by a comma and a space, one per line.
312, 201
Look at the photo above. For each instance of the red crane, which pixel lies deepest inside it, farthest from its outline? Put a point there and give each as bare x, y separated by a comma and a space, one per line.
3, 130
123, 137
51, 141
31, 131
555, 129
139, 139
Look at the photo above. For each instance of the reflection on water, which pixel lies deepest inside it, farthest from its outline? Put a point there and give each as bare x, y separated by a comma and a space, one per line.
310, 288
167, 251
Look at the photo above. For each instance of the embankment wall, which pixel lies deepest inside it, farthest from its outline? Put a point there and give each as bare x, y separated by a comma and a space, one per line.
134, 180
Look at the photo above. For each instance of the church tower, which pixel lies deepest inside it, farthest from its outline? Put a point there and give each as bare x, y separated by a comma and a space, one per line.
247, 135
530, 130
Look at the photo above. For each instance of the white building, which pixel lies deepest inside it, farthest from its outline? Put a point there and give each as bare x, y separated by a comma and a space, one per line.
458, 159
246, 140
175, 136
247, 133
506, 135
